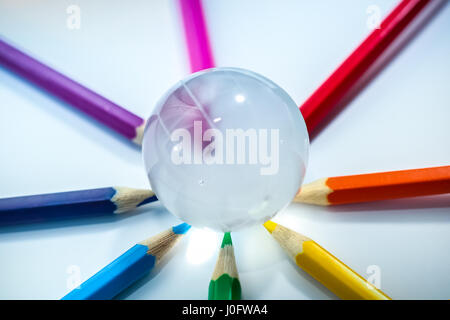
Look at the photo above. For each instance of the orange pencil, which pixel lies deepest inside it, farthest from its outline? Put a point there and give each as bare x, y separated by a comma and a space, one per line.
376, 186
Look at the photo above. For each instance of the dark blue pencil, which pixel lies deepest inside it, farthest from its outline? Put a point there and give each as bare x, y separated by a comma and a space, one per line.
72, 204
132, 265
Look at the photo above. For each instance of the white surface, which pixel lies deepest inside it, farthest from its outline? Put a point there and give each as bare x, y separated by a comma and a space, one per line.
132, 54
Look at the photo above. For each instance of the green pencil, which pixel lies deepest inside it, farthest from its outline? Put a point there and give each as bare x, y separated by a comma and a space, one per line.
224, 284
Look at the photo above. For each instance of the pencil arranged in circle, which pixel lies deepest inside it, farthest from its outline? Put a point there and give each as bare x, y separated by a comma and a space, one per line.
224, 284
353, 72
132, 265
196, 35
72, 204
103, 110
323, 266
376, 186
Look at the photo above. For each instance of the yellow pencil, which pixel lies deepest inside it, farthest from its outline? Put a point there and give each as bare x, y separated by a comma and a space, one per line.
323, 266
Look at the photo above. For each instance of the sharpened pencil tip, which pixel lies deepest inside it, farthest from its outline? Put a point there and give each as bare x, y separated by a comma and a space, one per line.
150, 199
181, 228
270, 226
226, 240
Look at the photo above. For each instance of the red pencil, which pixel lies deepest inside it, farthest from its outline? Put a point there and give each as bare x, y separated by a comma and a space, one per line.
103, 110
318, 108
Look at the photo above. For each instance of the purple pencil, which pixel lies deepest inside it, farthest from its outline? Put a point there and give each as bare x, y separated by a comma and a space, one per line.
103, 110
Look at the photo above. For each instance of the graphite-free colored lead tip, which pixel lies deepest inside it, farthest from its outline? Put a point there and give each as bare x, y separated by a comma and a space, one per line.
270, 226
181, 228
226, 240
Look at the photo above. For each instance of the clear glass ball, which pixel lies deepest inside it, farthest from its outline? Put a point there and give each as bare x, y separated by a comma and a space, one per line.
225, 148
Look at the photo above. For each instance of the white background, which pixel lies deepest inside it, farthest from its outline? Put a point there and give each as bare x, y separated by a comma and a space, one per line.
131, 52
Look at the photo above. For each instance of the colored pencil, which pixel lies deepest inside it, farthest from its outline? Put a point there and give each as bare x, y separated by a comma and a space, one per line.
196, 35
72, 204
224, 284
103, 110
323, 103
323, 266
376, 186
132, 265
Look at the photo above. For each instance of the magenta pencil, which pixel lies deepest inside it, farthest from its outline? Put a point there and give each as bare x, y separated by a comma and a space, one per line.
196, 34
103, 110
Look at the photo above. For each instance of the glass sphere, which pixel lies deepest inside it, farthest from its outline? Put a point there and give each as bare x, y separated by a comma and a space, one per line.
225, 148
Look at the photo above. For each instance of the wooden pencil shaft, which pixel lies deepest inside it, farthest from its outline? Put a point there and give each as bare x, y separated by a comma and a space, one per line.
321, 104
225, 284
132, 265
196, 35
323, 266
389, 185
335, 275
127, 199
159, 245
225, 264
116, 276
105, 111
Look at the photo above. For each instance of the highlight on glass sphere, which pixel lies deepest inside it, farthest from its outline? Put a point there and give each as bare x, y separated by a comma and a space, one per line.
225, 148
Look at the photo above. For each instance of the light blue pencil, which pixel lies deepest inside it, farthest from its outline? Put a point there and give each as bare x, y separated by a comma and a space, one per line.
135, 263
